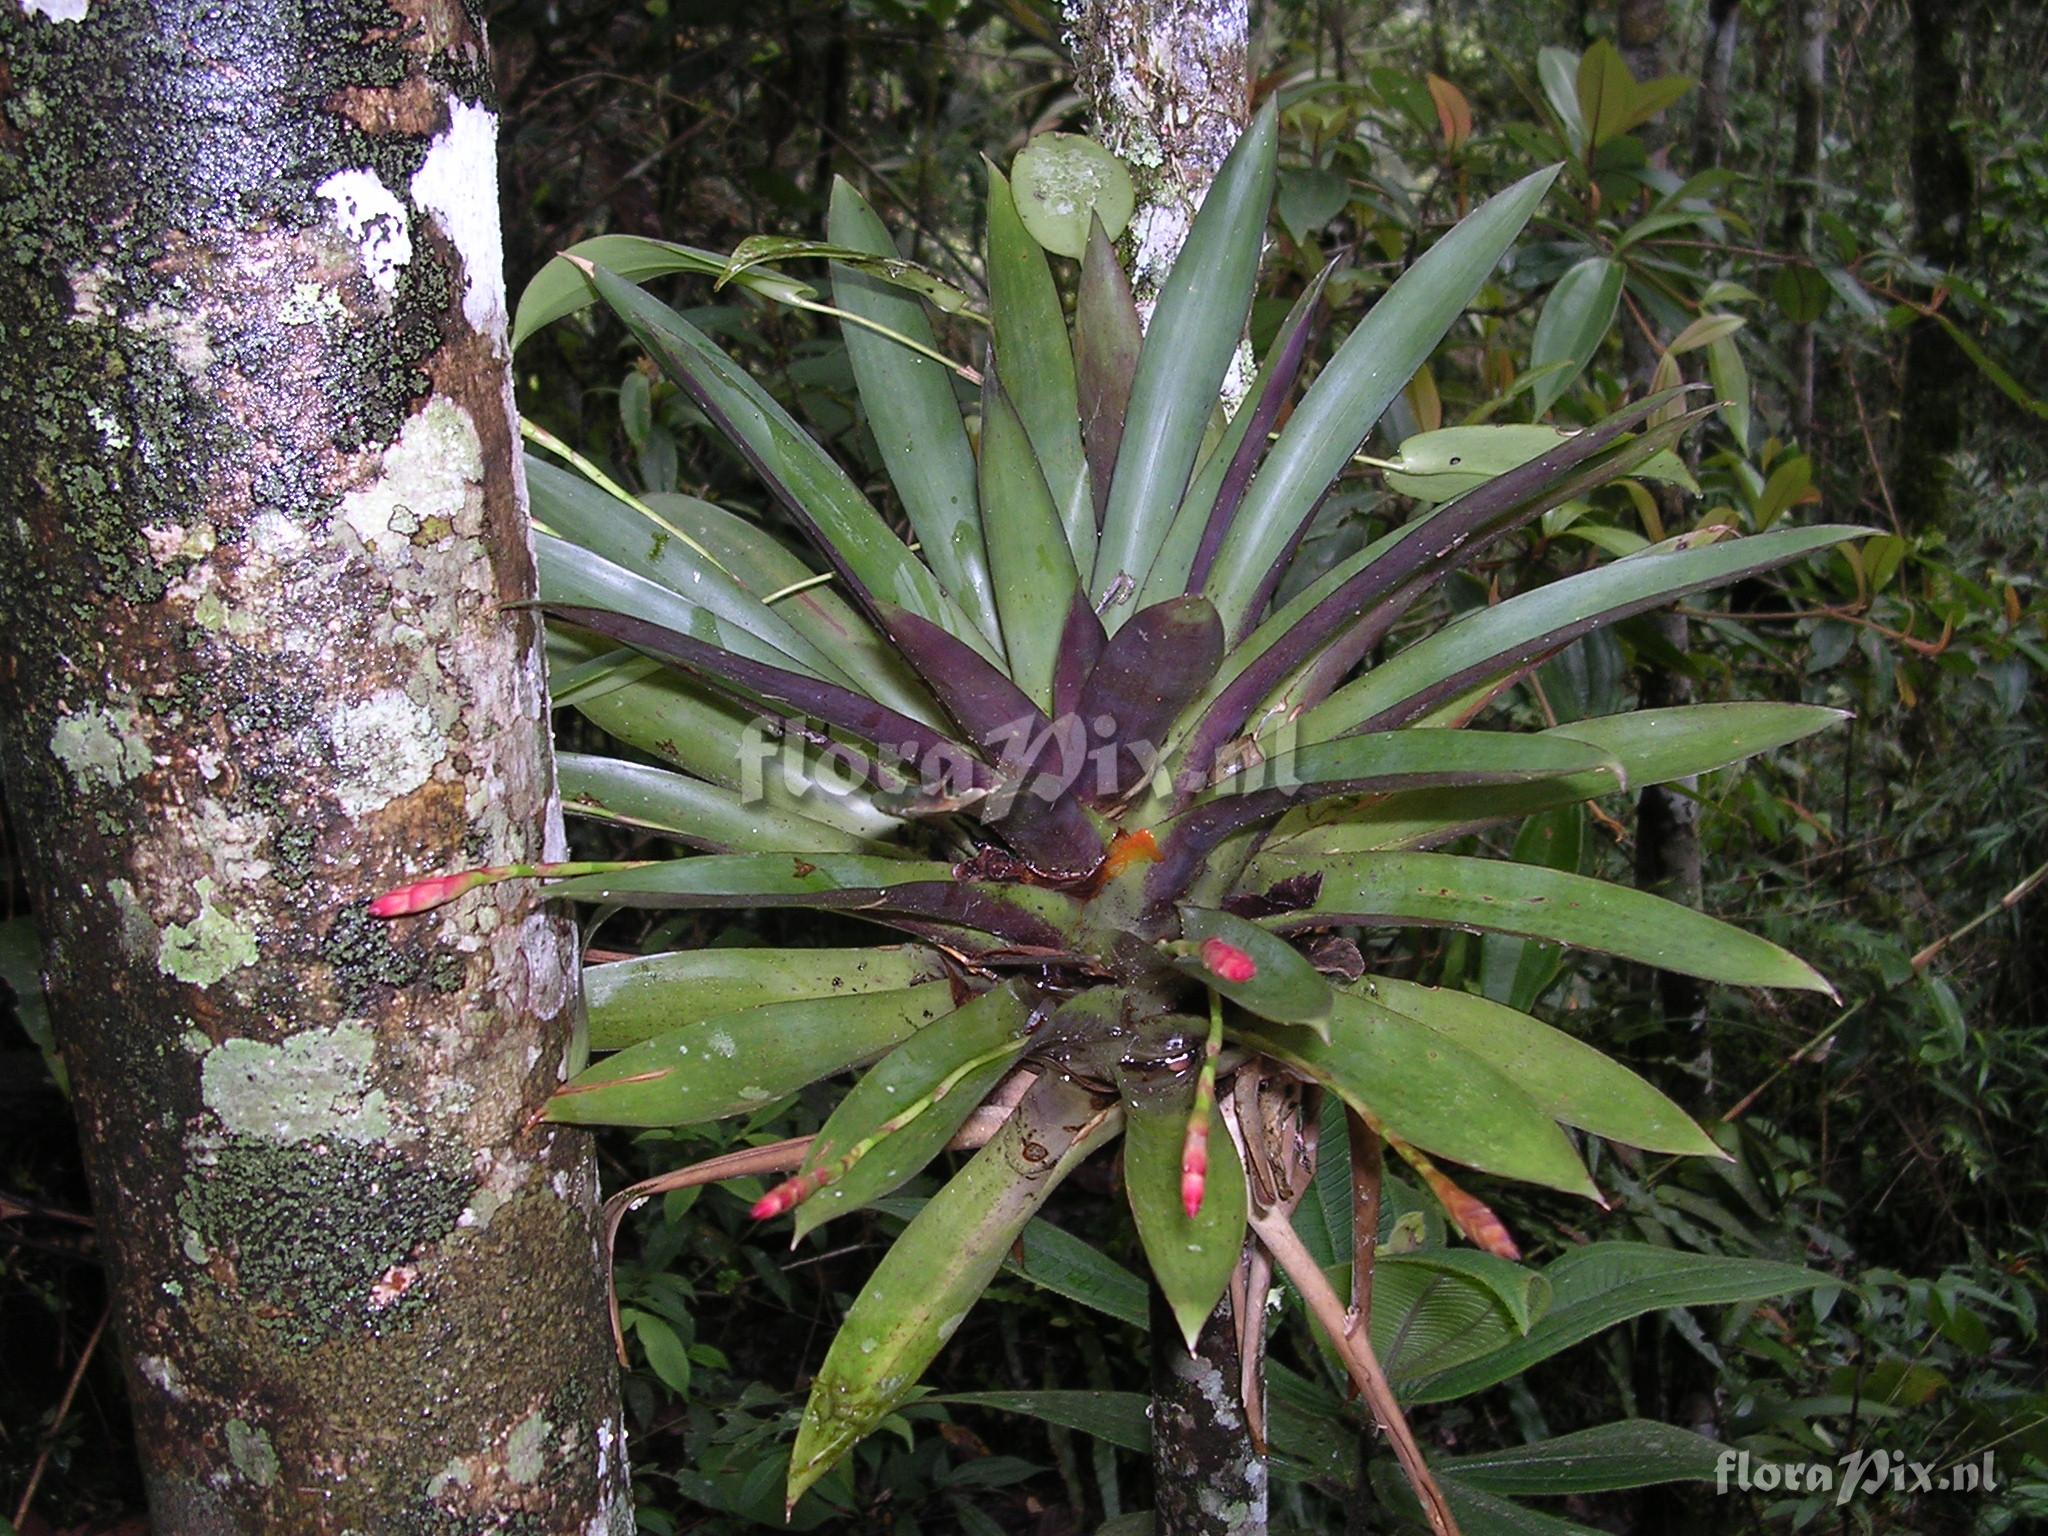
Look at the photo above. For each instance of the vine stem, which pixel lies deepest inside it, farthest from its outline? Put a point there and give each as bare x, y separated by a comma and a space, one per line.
1355, 1348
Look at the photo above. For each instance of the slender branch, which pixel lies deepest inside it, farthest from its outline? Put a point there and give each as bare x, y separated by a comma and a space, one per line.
35, 1476
1367, 1168
1295, 1261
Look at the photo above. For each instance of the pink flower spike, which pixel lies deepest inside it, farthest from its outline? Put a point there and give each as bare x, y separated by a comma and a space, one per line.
425, 895
788, 1196
1226, 962
1192, 1187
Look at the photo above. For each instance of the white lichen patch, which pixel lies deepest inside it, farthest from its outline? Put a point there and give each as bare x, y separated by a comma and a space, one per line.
310, 304
430, 472
457, 185
112, 430
384, 747
210, 947
102, 747
57, 10
314, 1085
161, 1374
375, 222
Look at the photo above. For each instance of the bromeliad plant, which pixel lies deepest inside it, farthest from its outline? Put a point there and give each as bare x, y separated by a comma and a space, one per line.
1133, 822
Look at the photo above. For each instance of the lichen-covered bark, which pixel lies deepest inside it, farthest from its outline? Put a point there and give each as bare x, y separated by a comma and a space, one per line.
1207, 1476
262, 519
1168, 83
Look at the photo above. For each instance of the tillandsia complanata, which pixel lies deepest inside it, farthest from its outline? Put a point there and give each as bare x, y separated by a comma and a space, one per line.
1131, 820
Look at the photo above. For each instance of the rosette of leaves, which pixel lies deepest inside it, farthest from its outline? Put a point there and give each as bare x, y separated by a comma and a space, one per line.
1124, 819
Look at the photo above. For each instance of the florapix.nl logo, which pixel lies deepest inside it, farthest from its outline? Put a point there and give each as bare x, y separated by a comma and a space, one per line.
1859, 1474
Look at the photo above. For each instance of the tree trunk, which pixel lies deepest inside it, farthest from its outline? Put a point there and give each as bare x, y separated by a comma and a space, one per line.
1667, 817
1931, 395
264, 517
1208, 1478
1808, 24
1167, 81
1710, 114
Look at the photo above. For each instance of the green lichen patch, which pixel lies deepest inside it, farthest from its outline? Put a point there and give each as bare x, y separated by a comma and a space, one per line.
526, 1449
251, 1452
139, 937
210, 947
311, 1227
103, 748
314, 1084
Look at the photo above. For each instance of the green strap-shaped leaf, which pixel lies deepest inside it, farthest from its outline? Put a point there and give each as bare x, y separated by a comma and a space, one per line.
1492, 896
913, 414
1028, 550
915, 891
1191, 1257
559, 288
1375, 363
739, 1062
808, 603
1107, 340
692, 811
1575, 319
1601, 1284
1194, 333
573, 576
1519, 971
1037, 366
803, 476
1428, 1091
938, 1268
1271, 388
1631, 1453
935, 1079
633, 1000
678, 720
1121, 1419
1565, 1077
1495, 641
1653, 746
1285, 988
656, 550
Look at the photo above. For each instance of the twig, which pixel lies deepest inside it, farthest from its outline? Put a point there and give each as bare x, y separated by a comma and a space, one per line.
35, 1475
1275, 1231
2006, 903
776, 1157
1917, 964
1876, 462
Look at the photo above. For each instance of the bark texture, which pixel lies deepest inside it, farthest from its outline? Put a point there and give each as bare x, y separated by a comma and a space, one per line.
1169, 86
263, 514
1710, 113
1931, 394
1809, 23
1207, 1477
